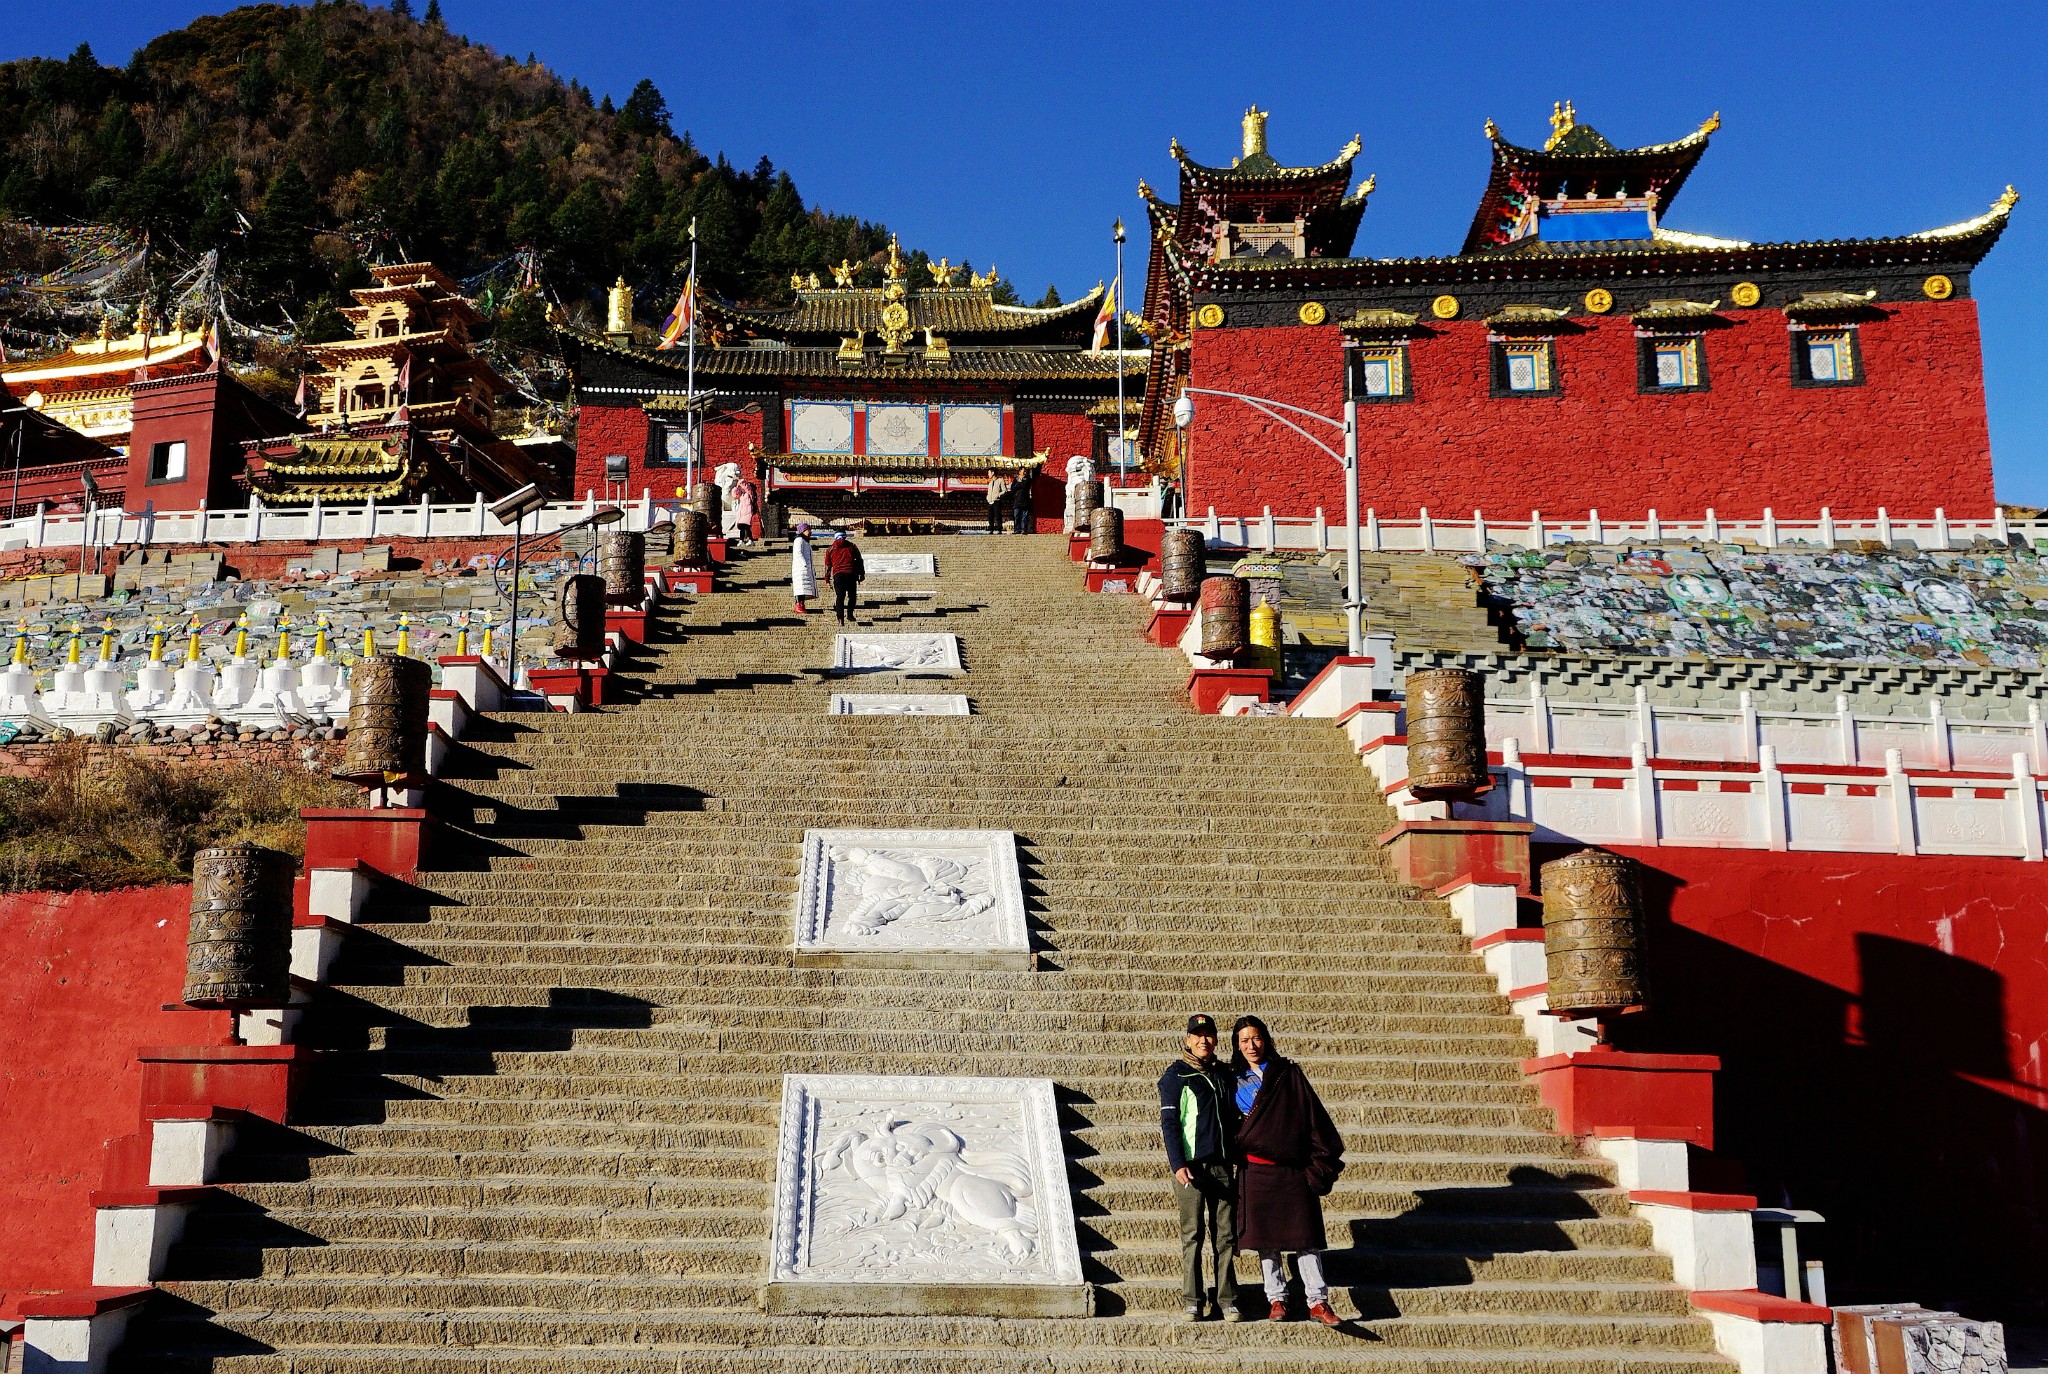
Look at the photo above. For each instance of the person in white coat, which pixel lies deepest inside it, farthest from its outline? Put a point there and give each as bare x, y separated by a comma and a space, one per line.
803, 577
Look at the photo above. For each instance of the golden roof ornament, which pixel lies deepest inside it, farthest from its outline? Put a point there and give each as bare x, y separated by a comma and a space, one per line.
796, 281
812, 281
1492, 129
982, 282
893, 269
1255, 130
1563, 119
1350, 150
1712, 123
843, 274
942, 271
618, 318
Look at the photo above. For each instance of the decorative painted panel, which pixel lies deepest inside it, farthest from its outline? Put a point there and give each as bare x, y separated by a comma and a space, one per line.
899, 431
821, 426
971, 431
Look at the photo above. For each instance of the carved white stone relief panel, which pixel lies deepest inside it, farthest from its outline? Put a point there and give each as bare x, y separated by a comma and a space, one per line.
901, 564
898, 704
877, 653
921, 1181
922, 891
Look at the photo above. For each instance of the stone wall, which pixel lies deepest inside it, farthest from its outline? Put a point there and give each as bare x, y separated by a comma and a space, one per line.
1912, 437
198, 748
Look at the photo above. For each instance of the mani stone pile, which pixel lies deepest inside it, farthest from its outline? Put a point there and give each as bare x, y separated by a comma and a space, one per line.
824, 1037
1986, 606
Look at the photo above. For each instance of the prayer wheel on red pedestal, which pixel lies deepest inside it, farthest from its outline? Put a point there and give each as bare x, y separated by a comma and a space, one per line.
1226, 617
1447, 735
238, 949
710, 499
1183, 561
622, 560
583, 617
387, 720
693, 533
1592, 933
1087, 500
1105, 534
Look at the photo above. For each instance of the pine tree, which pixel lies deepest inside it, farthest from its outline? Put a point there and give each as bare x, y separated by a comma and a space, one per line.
280, 255
1051, 298
646, 112
433, 18
401, 9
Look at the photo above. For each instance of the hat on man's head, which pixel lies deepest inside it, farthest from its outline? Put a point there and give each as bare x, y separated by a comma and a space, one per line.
838, 535
1201, 1024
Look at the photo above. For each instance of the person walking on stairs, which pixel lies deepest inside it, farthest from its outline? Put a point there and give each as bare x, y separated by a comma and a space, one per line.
1291, 1155
803, 578
1020, 501
1198, 1117
844, 566
998, 500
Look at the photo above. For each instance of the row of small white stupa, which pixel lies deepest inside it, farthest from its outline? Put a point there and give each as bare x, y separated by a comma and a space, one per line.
82, 697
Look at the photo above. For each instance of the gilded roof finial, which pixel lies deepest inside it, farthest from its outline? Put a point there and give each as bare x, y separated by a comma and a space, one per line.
1255, 130
894, 269
942, 271
1713, 123
618, 318
1492, 129
106, 331
1562, 120
796, 281
1350, 150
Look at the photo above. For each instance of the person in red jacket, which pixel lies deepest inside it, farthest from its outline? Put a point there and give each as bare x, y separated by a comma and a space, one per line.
843, 565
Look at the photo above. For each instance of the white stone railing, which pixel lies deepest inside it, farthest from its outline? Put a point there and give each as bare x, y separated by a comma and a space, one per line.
1740, 735
257, 523
1425, 533
83, 697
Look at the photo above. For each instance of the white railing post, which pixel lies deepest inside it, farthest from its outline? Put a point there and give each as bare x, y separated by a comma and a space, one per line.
646, 509
1428, 532
370, 518
204, 516
1827, 526
1479, 531
1656, 527
37, 541
1713, 526
1646, 720
149, 522
1777, 828
1940, 528
1372, 530
318, 515
1322, 532
589, 502
1594, 533
1539, 715
1644, 779
2028, 798
426, 515
1999, 531
1770, 528
1845, 726
476, 515
254, 528
1884, 527
1214, 529
1266, 535
1901, 788
2037, 738
1535, 529
1938, 742
1752, 729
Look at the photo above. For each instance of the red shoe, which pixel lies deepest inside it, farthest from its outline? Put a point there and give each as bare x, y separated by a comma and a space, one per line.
1323, 1313
1277, 1312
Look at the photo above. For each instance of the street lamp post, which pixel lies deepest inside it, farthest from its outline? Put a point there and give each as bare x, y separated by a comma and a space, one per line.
1354, 608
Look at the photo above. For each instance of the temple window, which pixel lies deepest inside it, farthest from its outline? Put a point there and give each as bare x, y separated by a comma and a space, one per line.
1825, 357
1669, 363
1524, 367
167, 461
1382, 373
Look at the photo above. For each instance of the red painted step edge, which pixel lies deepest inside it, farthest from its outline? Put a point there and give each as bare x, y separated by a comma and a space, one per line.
1695, 1202
1761, 1307
80, 1302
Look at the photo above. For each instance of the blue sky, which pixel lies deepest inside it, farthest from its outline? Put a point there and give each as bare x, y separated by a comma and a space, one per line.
1018, 132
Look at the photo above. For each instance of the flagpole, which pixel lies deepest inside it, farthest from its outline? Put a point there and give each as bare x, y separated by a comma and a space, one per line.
690, 383
1116, 332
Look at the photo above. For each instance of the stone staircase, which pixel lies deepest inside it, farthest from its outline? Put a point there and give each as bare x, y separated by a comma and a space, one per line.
542, 1136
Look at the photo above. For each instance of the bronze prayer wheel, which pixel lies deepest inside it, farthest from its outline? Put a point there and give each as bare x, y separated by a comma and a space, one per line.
238, 951
622, 559
1592, 933
1087, 500
1447, 734
709, 498
693, 533
387, 720
582, 608
1105, 534
1183, 561
1226, 617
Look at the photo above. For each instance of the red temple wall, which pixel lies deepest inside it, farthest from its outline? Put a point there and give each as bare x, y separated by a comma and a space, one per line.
1060, 437
1883, 1026
83, 990
602, 430
1913, 437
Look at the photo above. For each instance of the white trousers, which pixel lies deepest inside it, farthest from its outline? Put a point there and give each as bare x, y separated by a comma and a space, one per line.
1309, 1263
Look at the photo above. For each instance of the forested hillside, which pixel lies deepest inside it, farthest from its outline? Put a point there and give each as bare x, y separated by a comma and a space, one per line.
302, 142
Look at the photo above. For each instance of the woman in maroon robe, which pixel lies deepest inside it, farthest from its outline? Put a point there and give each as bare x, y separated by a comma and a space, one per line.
1292, 1155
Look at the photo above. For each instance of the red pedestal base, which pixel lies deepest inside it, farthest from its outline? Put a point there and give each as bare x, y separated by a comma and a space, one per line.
1430, 854
392, 840
631, 624
696, 580
1207, 687
1168, 624
1655, 1096
716, 547
1113, 579
1077, 547
589, 685
257, 1079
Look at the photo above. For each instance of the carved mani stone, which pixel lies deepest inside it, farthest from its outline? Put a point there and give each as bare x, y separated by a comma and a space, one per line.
1183, 562
622, 560
387, 720
582, 608
1592, 933
937, 654
238, 952
1446, 711
934, 1196
897, 704
902, 565
912, 897
1226, 617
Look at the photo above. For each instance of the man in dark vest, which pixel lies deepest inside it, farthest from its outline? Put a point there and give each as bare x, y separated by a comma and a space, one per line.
1292, 1155
1197, 1119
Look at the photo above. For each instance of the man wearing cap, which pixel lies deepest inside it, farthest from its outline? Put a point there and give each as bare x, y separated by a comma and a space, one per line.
844, 566
1198, 1119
